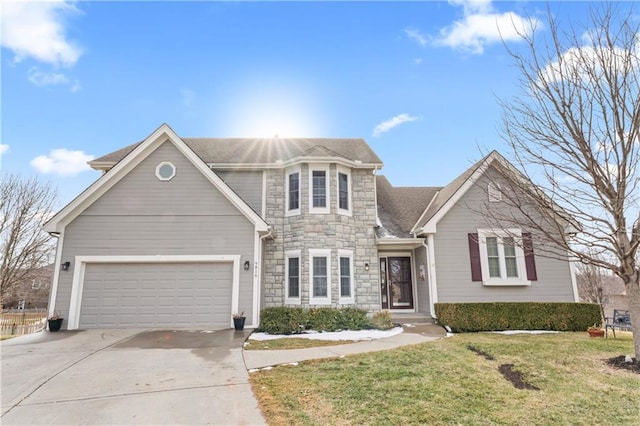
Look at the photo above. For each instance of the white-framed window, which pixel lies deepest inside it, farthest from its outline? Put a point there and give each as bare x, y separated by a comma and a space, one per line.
292, 277
292, 188
165, 170
344, 191
319, 200
345, 267
502, 257
495, 192
319, 277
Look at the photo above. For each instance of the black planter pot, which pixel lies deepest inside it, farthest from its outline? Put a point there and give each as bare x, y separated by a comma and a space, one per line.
238, 323
55, 324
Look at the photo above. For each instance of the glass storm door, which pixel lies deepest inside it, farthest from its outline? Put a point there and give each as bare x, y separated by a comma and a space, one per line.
395, 283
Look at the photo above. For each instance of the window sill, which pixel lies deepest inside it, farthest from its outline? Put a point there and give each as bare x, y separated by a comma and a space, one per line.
506, 283
296, 301
347, 301
344, 212
290, 213
319, 210
323, 302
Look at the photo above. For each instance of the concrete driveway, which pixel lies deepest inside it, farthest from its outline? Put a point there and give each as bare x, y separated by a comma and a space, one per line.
127, 377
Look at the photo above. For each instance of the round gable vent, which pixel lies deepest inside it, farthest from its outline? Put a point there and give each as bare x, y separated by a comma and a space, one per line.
165, 170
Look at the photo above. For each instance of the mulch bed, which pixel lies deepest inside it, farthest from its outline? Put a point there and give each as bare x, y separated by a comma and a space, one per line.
618, 362
515, 377
481, 352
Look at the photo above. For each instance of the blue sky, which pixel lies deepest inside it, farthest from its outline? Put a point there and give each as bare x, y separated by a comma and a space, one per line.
417, 80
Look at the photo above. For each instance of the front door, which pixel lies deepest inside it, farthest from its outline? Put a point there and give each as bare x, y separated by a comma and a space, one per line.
395, 283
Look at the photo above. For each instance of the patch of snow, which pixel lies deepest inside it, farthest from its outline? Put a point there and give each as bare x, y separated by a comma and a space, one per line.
383, 233
334, 335
508, 332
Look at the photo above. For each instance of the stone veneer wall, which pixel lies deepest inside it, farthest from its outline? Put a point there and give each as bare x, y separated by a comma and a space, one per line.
322, 231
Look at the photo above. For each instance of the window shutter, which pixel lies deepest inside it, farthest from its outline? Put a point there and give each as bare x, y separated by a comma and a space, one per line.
529, 258
474, 256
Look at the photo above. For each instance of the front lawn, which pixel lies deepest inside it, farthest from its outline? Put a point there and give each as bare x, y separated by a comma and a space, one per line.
451, 381
290, 343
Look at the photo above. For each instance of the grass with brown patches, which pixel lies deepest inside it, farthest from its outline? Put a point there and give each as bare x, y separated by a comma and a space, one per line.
443, 382
291, 343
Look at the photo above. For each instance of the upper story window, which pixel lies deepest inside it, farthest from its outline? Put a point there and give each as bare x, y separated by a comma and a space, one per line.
344, 191
319, 189
293, 192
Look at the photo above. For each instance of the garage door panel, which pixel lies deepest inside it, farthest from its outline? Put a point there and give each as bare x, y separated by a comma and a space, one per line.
156, 295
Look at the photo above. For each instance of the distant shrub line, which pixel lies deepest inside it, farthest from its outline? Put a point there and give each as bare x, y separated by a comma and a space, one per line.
499, 316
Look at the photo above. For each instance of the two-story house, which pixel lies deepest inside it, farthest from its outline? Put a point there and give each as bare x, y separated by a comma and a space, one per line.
185, 232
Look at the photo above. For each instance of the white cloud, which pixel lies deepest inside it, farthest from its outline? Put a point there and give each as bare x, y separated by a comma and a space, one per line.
481, 25
584, 62
62, 162
36, 30
416, 36
41, 79
4, 148
387, 125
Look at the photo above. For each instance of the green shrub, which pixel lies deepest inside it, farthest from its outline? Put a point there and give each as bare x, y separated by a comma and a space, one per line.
382, 320
322, 319
287, 320
352, 319
283, 320
466, 317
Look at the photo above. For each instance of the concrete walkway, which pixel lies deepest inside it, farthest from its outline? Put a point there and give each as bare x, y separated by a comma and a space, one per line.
127, 377
412, 335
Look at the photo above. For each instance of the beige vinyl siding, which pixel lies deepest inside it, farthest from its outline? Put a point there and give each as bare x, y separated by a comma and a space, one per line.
422, 285
247, 184
141, 215
453, 265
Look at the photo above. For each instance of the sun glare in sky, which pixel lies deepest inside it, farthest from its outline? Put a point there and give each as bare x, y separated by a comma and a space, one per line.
270, 110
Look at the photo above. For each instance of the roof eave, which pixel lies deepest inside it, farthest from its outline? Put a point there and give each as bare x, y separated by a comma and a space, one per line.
395, 242
106, 165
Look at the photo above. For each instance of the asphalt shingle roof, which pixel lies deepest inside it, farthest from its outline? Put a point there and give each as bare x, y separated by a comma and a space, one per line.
266, 151
399, 208
448, 191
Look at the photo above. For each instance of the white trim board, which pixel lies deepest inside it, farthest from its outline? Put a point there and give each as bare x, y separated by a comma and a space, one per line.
80, 263
162, 134
56, 275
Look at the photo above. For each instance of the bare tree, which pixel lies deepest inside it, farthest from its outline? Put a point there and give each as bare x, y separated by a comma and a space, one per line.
575, 131
25, 204
592, 286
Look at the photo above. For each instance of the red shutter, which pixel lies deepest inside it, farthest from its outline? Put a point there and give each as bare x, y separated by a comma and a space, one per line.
474, 256
529, 258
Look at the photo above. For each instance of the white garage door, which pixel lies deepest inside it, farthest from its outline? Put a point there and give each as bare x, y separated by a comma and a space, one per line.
120, 295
